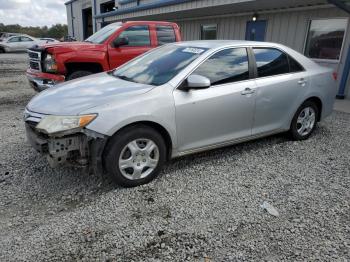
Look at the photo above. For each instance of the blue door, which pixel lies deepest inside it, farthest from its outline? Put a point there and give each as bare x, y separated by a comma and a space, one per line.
255, 30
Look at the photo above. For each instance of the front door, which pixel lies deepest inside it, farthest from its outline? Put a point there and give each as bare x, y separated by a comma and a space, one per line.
256, 30
224, 111
139, 41
14, 43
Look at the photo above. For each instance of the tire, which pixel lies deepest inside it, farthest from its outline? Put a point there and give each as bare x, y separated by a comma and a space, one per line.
132, 147
302, 126
2, 51
78, 74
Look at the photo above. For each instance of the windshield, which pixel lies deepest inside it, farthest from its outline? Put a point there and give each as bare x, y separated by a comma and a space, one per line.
160, 65
100, 36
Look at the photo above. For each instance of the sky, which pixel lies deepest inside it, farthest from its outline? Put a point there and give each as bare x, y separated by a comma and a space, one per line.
33, 12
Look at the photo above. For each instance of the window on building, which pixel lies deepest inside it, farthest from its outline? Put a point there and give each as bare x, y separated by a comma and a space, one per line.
208, 32
226, 66
107, 7
137, 35
270, 62
165, 34
325, 38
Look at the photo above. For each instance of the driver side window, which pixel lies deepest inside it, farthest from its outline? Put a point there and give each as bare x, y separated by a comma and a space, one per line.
137, 35
226, 66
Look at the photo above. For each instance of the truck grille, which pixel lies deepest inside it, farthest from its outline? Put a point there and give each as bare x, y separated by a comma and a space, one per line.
33, 55
34, 60
34, 65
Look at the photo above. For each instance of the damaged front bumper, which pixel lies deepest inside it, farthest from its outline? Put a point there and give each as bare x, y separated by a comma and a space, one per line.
83, 149
40, 81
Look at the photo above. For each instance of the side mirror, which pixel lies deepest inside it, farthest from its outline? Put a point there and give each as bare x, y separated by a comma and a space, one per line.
120, 41
196, 82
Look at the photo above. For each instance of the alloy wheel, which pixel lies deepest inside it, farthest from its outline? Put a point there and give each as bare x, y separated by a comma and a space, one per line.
306, 121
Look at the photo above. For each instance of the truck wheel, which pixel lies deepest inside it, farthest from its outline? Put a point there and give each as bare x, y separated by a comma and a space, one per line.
135, 156
2, 50
78, 74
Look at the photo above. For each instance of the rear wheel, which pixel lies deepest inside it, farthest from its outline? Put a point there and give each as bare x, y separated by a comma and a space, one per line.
78, 74
135, 156
2, 50
304, 121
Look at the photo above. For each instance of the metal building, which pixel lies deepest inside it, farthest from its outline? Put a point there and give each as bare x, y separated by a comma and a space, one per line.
317, 28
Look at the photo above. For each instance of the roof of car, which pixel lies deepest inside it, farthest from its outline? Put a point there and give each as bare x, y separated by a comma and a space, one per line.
223, 43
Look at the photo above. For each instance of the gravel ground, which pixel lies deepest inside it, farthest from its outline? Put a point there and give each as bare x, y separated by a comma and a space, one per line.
204, 207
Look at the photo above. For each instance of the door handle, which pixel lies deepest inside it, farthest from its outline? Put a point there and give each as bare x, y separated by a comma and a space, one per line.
302, 81
247, 91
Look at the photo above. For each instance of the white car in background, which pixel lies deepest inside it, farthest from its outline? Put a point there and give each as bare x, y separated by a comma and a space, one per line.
49, 40
19, 43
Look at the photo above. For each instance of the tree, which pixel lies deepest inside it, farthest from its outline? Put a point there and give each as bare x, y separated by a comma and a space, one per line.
55, 31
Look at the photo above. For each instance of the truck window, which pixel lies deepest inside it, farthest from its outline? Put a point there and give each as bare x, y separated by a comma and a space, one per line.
100, 36
165, 34
138, 35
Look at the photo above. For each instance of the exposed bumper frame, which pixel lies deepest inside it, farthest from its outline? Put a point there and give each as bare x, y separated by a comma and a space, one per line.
40, 81
84, 149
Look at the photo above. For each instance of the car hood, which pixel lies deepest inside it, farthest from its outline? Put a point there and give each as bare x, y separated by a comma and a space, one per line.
78, 95
63, 47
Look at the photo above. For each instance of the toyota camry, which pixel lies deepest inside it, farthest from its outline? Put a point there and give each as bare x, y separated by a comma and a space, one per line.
179, 99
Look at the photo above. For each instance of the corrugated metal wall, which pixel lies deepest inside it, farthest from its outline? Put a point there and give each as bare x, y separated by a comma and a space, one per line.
285, 27
288, 28
77, 8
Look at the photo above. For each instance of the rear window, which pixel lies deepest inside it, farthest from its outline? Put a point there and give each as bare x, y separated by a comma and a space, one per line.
270, 62
165, 34
294, 65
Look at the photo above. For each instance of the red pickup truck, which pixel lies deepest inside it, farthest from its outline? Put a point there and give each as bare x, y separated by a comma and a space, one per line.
107, 49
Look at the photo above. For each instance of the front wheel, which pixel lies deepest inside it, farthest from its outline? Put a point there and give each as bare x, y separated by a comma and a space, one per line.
304, 121
135, 156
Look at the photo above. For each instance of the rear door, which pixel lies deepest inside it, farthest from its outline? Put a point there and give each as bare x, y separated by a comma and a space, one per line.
26, 42
281, 84
140, 41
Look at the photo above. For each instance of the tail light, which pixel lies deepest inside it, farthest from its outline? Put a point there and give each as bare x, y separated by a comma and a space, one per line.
335, 76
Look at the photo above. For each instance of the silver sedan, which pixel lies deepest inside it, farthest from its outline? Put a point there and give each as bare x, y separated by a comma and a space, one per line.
18, 43
176, 100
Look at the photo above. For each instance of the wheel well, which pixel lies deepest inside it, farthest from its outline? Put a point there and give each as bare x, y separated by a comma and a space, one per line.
159, 128
318, 103
91, 67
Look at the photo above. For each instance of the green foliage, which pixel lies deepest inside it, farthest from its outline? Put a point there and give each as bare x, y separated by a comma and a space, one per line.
55, 31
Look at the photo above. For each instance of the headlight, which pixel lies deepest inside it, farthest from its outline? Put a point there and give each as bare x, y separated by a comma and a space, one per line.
50, 63
68, 124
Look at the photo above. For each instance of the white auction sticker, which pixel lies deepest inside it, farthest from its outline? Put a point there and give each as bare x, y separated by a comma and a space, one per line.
193, 50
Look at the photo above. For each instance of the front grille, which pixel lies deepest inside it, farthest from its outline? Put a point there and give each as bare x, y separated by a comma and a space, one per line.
34, 65
35, 60
34, 55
